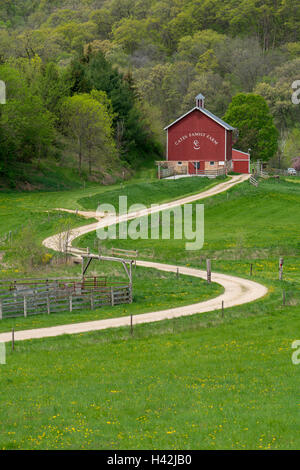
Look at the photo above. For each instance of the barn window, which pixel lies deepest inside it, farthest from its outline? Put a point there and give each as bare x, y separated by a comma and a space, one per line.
211, 163
197, 165
179, 163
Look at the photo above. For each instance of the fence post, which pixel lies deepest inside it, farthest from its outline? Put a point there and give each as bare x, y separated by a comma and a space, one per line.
251, 269
130, 294
92, 302
208, 269
112, 297
280, 268
131, 324
25, 307
177, 273
48, 304
1, 314
71, 303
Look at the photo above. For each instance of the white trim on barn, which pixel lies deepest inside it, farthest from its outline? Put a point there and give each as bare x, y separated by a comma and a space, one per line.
225, 145
167, 145
208, 114
240, 151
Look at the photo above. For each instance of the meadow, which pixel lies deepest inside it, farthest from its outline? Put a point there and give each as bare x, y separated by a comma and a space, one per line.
199, 382
152, 192
18, 209
174, 385
31, 218
245, 222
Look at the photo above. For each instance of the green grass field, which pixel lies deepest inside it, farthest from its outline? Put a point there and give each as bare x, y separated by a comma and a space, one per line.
231, 386
150, 192
244, 223
200, 382
31, 214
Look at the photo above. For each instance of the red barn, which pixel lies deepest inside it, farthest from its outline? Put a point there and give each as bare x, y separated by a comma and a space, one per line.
199, 143
240, 161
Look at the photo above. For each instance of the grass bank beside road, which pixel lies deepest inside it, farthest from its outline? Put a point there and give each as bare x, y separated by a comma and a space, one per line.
227, 387
153, 192
244, 222
199, 382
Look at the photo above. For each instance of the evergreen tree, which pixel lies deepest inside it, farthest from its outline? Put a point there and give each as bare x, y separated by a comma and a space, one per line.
95, 72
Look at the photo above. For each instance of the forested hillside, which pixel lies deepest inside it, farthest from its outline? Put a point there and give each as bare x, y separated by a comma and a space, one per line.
138, 64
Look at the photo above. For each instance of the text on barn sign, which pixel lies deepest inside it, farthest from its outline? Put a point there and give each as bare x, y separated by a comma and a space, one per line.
196, 134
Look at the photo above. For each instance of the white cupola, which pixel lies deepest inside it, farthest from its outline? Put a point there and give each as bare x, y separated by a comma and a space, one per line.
200, 101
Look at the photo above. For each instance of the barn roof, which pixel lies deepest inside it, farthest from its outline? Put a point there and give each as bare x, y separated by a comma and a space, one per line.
207, 113
239, 155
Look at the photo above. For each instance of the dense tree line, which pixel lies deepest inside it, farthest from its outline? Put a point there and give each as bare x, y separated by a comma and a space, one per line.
151, 57
89, 105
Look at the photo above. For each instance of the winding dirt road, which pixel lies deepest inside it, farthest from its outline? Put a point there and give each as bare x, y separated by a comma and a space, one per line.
237, 291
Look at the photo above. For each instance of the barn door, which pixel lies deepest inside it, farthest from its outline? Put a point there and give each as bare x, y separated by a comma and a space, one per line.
192, 170
196, 168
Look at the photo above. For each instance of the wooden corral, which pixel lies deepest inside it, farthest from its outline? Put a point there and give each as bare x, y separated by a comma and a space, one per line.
25, 297
45, 296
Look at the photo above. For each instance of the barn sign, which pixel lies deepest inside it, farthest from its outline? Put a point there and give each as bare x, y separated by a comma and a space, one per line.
192, 135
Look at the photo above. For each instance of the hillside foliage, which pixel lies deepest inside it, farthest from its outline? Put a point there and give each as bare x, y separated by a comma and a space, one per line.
150, 58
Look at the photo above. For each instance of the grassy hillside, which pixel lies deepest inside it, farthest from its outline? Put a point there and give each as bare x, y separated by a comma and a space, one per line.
18, 207
30, 218
49, 176
231, 387
150, 193
244, 223
200, 382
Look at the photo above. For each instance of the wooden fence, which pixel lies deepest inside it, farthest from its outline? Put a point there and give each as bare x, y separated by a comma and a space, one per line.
167, 170
253, 181
25, 286
276, 171
171, 171
127, 253
263, 174
32, 297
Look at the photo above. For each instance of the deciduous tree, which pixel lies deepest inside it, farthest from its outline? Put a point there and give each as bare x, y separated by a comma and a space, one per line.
250, 114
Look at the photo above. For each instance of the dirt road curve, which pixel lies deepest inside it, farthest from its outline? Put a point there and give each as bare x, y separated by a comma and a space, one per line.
53, 242
237, 291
